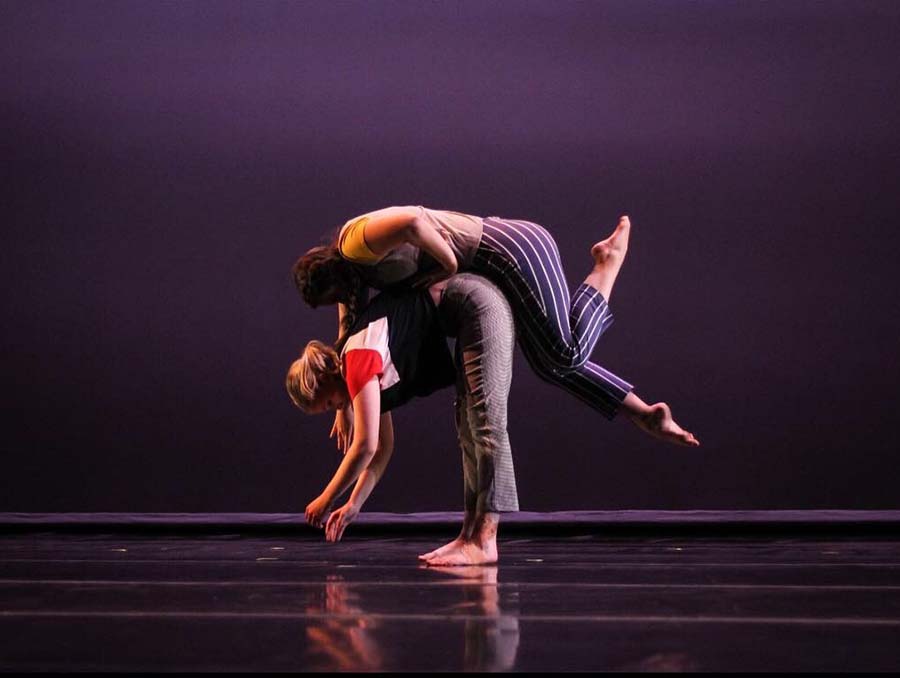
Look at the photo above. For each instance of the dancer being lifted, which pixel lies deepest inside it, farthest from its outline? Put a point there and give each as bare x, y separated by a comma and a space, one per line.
418, 246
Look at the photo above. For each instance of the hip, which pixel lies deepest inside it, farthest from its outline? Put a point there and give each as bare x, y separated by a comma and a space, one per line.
515, 239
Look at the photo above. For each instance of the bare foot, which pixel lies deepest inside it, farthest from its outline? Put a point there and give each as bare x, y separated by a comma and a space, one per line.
467, 553
613, 249
658, 422
456, 543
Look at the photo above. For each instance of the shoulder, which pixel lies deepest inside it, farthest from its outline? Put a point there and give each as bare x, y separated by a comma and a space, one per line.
352, 241
359, 366
352, 226
354, 223
371, 329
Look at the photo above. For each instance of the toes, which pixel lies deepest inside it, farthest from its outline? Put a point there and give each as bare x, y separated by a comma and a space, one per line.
434, 552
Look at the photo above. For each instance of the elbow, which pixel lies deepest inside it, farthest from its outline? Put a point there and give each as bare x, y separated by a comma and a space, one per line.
414, 226
367, 449
412, 232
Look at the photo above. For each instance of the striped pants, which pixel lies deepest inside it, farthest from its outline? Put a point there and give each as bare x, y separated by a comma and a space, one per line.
557, 333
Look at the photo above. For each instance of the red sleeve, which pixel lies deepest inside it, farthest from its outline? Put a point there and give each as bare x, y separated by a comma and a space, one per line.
360, 365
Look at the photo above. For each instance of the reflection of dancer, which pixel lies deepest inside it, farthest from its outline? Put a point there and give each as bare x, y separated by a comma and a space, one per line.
418, 246
340, 631
344, 632
492, 629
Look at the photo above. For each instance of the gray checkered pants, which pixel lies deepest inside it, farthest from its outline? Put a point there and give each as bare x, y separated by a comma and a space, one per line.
475, 311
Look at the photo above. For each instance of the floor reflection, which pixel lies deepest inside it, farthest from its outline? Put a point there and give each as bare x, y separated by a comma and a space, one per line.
347, 642
585, 603
349, 637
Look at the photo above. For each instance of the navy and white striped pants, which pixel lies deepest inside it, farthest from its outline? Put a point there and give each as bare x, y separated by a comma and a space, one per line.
557, 333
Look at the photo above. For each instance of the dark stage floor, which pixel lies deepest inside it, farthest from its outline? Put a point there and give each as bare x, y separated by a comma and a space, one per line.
240, 602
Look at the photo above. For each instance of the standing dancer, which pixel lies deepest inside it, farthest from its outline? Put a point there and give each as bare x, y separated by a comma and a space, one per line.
417, 246
395, 350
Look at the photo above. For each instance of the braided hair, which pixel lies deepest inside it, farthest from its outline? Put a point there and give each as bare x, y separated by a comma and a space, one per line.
323, 276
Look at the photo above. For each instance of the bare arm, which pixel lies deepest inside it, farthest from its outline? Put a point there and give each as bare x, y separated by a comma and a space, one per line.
392, 226
429, 239
342, 311
374, 472
366, 407
343, 422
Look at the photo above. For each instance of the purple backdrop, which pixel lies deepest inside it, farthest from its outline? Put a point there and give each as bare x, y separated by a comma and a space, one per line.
166, 162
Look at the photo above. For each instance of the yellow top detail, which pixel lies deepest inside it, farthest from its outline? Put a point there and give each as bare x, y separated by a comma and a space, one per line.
352, 242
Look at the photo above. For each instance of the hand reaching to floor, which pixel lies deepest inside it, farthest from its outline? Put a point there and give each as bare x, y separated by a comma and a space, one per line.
338, 521
316, 511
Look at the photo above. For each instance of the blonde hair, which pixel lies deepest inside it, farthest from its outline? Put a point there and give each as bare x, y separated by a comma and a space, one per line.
307, 374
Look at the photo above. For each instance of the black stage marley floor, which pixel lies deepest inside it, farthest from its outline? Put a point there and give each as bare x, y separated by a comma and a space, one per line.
821, 593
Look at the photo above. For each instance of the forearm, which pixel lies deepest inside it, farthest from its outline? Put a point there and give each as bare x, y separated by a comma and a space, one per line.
427, 237
370, 477
354, 463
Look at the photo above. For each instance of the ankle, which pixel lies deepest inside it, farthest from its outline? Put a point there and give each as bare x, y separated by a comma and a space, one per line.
484, 529
635, 408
